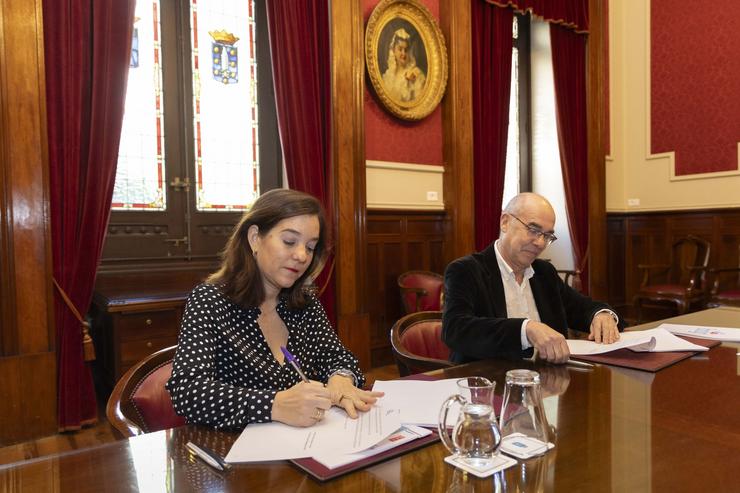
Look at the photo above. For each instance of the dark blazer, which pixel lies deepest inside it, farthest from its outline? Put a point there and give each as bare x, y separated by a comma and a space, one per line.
475, 324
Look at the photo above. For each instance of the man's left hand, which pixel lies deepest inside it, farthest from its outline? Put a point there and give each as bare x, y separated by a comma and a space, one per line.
603, 329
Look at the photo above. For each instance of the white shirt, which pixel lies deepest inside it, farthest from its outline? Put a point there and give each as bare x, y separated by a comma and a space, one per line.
519, 298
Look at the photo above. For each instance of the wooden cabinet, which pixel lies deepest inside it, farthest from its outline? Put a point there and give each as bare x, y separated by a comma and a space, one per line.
136, 314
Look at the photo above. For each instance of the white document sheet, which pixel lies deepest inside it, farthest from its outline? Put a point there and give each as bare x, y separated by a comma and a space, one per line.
664, 341
583, 347
702, 332
336, 433
654, 340
405, 434
419, 400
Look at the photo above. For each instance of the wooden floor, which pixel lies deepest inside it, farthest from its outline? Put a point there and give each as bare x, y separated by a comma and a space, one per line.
103, 431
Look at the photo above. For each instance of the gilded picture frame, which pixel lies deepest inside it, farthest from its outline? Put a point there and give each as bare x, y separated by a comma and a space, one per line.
406, 58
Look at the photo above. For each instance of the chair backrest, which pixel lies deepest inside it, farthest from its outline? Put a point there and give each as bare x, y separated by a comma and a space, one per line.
421, 290
139, 402
417, 343
687, 252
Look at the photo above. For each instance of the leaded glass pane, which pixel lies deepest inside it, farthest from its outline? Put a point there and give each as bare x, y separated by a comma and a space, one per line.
224, 104
140, 173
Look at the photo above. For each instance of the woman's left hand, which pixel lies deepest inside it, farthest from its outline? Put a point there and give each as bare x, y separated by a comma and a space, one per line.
349, 397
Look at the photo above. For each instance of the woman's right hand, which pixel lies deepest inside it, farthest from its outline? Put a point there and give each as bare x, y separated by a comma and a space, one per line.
303, 404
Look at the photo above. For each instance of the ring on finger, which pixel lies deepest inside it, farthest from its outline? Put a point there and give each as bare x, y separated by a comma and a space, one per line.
318, 414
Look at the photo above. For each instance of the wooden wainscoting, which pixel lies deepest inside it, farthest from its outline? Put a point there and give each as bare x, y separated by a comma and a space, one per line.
645, 238
397, 241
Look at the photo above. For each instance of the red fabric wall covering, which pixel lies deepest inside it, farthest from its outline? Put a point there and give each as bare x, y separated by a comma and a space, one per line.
695, 84
388, 138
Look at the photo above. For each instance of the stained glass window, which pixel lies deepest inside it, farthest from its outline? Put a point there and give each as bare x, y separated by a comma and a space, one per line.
224, 104
140, 174
191, 157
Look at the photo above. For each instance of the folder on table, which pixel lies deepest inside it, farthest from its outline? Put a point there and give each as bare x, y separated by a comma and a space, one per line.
645, 361
323, 473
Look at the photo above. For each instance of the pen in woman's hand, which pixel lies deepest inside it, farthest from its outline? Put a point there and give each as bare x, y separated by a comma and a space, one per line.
294, 363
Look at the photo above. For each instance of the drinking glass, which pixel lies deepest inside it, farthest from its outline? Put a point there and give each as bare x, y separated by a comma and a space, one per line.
522, 410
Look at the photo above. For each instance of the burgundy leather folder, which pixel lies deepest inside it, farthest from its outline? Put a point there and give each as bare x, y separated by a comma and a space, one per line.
323, 473
645, 361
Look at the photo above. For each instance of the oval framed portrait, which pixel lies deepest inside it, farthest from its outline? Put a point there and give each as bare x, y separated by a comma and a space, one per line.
406, 58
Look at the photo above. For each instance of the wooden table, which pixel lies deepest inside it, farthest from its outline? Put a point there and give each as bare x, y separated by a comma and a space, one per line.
617, 430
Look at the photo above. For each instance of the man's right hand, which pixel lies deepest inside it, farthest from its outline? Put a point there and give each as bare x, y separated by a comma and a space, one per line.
549, 343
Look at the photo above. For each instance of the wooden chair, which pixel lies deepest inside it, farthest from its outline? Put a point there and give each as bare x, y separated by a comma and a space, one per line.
421, 290
417, 344
681, 282
726, 285
139, 402
572, 278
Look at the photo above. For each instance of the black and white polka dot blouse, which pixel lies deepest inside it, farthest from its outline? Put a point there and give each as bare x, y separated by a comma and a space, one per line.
225, 375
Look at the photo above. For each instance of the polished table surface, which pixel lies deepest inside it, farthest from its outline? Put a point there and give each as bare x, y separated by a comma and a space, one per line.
616, 430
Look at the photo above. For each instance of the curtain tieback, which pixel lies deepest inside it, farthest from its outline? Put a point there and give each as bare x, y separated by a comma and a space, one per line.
88, 348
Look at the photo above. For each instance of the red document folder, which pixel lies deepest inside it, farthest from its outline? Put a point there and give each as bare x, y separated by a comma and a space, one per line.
323, 473
645, 361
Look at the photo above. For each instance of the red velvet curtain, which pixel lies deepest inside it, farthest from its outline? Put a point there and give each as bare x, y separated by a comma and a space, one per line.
492, 44
301, 65
87, 46
569, 73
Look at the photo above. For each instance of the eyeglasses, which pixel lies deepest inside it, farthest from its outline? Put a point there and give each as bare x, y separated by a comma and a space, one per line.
537, 233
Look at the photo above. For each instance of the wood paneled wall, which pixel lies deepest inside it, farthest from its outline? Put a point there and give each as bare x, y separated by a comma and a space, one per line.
27, 347
647, 238
348, 153
598, 131
397, 241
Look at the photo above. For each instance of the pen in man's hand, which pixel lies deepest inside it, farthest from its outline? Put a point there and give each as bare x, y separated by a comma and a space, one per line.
572, 362
580, 364
294, 363
208, 456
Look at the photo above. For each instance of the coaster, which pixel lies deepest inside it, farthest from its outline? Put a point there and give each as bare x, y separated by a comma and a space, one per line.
499, 463
523, 447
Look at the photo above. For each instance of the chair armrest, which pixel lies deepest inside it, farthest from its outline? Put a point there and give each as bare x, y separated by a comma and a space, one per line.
408, 289
715, 275
696, 271
653, 266
646, 268
575, 274
419, 292
725, 269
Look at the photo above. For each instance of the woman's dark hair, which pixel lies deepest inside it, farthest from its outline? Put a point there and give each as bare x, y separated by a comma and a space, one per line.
239, 277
